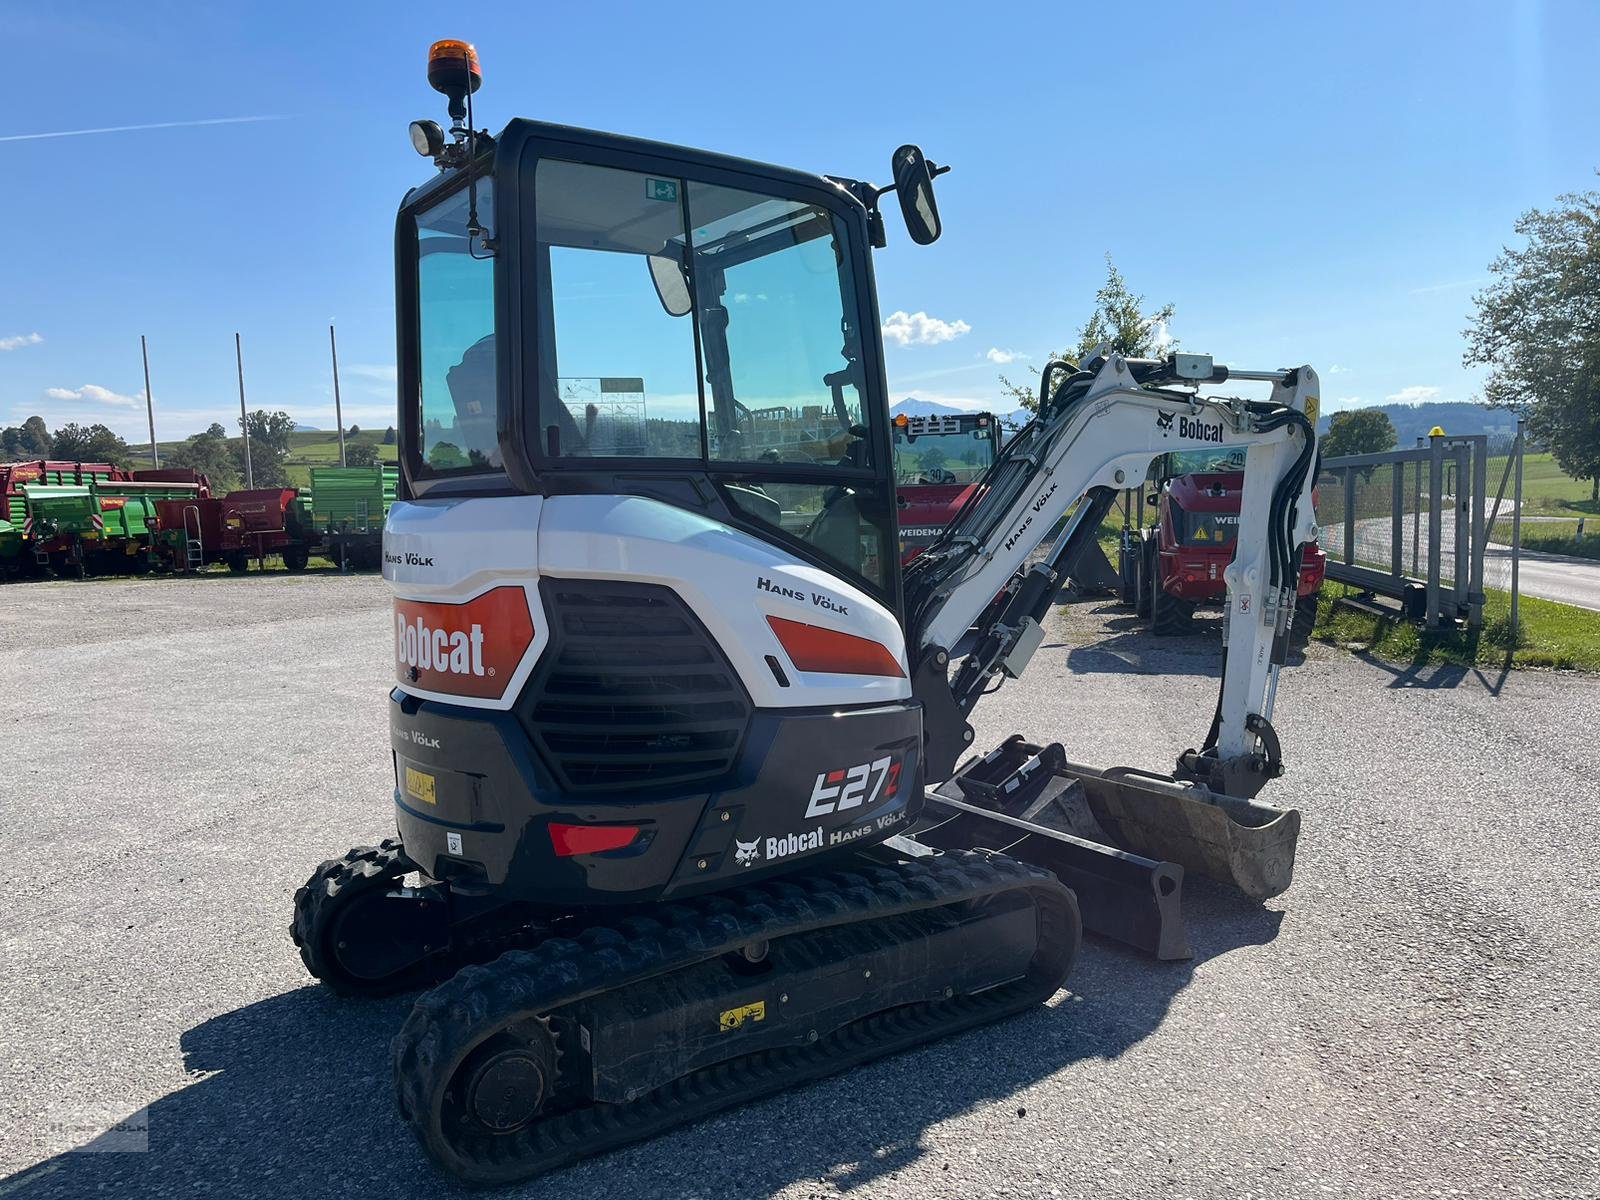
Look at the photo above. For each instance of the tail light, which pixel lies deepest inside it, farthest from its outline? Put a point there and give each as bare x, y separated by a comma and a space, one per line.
568, 840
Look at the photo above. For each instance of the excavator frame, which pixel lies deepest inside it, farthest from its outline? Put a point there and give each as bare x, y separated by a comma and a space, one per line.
679, 784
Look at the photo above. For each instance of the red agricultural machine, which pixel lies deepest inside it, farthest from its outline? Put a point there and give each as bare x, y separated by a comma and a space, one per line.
1167, 570
199, 531
937, 463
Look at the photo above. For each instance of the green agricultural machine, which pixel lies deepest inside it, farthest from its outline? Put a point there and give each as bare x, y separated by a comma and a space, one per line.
343, 520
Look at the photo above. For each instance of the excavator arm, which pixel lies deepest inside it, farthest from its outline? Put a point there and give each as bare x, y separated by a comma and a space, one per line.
1098, 428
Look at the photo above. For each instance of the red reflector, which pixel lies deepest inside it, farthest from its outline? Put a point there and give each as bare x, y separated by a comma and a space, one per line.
812, 648
568, 840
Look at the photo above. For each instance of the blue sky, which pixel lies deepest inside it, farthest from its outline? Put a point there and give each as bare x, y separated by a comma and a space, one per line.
1306, 184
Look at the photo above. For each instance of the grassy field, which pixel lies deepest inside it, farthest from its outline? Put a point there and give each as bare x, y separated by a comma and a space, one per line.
1546, 488
1553, 635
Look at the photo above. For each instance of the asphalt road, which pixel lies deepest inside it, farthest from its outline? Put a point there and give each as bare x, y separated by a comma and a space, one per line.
1416, 1017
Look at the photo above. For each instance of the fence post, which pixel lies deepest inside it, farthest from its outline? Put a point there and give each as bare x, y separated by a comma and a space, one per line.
1516, 536
1349, 519
1435, 522
1416, 520
1397, 520
1480, 528
1463, 548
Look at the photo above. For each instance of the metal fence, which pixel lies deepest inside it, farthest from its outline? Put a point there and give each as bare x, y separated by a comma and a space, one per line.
1411, 524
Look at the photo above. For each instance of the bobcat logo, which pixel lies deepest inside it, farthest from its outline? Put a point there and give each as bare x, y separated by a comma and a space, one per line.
746, 852
1164, 422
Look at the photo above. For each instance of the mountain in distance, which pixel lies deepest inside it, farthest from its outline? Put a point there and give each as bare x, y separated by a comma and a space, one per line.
1458, 418
913, 407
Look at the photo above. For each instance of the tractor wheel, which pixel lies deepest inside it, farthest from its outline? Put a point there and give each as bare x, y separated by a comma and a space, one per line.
1305, 616
295, 558
1169, 616
1144, 571
239, 562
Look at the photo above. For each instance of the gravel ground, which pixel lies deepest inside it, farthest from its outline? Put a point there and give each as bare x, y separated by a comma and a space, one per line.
1416, 1017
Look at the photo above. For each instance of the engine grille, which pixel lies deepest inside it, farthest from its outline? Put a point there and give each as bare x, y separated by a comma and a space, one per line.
632, 691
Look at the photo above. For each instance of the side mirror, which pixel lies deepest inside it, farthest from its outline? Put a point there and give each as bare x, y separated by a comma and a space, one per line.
913, 180
672, 284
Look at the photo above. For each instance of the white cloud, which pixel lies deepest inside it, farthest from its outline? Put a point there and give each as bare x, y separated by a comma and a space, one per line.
19, 341
382, 372
96, 394
1163, 337
919, 329
1336, 369
1413, 395
1001, 357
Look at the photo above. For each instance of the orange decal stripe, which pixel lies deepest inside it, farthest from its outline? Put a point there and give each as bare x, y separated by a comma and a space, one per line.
813, 648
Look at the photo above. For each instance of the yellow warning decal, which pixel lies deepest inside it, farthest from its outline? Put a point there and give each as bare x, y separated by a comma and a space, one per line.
736, 1017
1200, 535
419, 786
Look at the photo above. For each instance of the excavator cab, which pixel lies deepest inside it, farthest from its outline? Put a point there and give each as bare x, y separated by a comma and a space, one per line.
683, 323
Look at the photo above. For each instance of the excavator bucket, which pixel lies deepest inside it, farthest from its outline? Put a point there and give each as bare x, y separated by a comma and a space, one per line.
1122, 839
1242, 843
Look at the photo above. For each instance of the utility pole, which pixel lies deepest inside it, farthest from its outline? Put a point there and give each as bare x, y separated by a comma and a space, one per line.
338, 412
149, 404
244, 417
1516, 535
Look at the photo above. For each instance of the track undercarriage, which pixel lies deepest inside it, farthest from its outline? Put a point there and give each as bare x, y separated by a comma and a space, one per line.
594, 1030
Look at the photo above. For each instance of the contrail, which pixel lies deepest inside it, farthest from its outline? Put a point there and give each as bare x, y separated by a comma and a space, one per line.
30, 137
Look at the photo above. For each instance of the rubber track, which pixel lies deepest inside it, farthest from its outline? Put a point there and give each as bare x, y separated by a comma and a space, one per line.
337, 882
447, 1022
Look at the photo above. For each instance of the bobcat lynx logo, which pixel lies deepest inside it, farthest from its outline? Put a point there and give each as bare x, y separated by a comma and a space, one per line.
1164, 422
746, 852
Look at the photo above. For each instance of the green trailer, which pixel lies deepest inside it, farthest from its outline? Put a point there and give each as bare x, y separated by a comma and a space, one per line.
346, 511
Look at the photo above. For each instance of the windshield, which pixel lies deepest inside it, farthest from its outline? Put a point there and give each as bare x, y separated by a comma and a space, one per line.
947, 450
688, 320
685, 320
1204, 462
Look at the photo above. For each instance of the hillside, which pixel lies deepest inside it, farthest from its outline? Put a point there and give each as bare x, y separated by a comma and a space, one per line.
913, 407
1458, 418
314, 448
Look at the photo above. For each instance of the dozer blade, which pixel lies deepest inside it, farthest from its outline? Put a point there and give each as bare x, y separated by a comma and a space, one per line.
1018, 801
1243, 843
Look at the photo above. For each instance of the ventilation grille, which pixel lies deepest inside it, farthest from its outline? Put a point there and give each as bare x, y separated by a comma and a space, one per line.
632, 691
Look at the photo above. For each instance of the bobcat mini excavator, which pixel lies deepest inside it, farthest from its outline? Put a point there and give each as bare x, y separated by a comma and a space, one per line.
675, 737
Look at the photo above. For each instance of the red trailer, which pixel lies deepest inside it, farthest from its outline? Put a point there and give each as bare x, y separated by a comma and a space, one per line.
256, 524
233, 529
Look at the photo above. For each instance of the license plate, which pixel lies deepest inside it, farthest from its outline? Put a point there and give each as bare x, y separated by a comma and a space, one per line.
420, 786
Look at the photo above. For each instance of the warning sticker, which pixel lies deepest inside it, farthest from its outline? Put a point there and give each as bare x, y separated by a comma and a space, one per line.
735, 1017
420, 786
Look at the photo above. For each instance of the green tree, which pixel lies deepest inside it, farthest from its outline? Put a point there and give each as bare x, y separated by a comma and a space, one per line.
362, 454
388, 436
1358, 431
216, 430
1537, 329
210, 454
36, 441
269, 448
446, 456
1119, 322
10, 443
354, 430
89, 443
